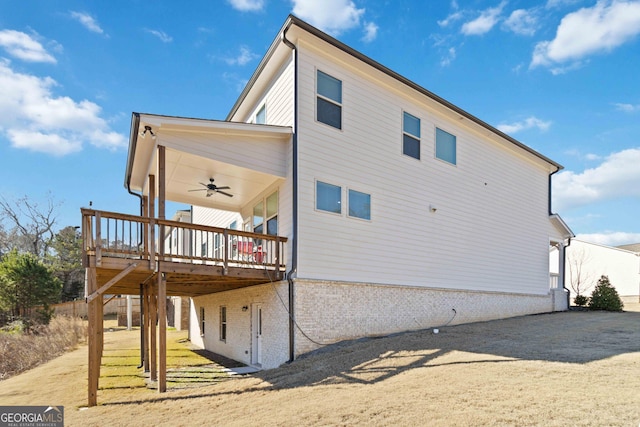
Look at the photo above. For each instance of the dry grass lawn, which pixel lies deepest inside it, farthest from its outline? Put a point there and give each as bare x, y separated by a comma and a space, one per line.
573, 368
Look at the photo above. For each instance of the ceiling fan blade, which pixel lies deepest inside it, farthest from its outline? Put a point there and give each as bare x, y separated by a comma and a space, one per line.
226, 194
198, 189
223, 188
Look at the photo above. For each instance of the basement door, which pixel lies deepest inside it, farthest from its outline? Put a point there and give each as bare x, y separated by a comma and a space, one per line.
256, 334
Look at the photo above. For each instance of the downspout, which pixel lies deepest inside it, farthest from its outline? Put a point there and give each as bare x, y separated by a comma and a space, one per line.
564, 251
294, 241
564, 276
135, 125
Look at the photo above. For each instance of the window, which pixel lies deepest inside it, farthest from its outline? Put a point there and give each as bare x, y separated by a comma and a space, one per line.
218, 247
203, 250
359, 205
411, 136
272, 214
201, 321
328, 197
261, 115
329, 100
258, 218
445, 146
223, 323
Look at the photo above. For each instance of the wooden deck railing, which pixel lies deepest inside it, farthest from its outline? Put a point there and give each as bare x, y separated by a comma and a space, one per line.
110, 234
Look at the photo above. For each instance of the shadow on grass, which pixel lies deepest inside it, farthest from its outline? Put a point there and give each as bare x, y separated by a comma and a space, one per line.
568, 337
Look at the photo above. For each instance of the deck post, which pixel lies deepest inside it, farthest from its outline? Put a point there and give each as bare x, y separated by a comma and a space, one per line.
162, 338
93, 337
151, 237
147, 325
153, 318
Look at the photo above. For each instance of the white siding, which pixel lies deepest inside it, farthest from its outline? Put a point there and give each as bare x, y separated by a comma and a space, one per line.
490, 230
265, 155
215, 217
278, 98
590, 261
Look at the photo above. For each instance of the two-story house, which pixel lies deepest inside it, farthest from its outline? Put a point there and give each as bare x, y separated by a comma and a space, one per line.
368, 204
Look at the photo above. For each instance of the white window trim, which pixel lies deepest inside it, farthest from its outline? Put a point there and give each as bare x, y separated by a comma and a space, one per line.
435, 145
340, 104
370, 206
410, 135
315, 198
255, 116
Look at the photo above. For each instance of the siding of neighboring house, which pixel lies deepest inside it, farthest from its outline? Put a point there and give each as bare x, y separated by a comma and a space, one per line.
590, 261
489, 230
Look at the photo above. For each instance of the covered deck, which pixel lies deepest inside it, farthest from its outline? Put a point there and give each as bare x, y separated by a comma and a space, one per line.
172, 159
155, 258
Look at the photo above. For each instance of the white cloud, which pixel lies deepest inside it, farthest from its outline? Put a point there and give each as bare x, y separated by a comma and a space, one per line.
450, 56
617, 176
244, 57
612, 238
600, 28
370, 32
523, 22
332, 16
485, 22
528, 123
455, 16
627, 108
558, 3
23, 46
164, 37
87, 21
33, 118
247, 5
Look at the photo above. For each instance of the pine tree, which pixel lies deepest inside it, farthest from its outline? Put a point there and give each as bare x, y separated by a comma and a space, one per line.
605, 296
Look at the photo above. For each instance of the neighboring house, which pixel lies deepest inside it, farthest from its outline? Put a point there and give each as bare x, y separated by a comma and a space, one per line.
401, 211
587, 262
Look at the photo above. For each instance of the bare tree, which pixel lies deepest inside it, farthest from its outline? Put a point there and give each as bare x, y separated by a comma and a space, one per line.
581, 278
31, 226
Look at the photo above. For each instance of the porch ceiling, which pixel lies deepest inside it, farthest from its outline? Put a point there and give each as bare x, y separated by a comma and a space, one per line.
186, 171
248, 158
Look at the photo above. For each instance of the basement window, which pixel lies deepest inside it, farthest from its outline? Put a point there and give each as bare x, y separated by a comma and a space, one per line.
201, 321
223, 323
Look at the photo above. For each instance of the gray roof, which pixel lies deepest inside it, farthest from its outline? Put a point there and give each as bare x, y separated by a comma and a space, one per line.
634, 247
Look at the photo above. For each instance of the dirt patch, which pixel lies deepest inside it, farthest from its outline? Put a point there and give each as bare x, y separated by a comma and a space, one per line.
572, 368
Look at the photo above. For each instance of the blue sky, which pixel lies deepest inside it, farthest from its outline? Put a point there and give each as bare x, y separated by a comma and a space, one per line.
559, 75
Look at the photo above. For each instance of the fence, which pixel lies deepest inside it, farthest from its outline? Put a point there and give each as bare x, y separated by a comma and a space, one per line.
79, 308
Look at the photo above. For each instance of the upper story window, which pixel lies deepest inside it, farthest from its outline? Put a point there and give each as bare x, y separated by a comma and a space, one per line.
445, 146
329, 100
359, 205
272, 214
328, 197
261, 115
411, 135
265, 212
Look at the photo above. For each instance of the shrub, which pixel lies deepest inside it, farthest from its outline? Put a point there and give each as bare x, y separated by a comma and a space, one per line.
581, 300
22, 351
605, 296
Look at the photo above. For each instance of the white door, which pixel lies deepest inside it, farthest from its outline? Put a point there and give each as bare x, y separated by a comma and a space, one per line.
256, 334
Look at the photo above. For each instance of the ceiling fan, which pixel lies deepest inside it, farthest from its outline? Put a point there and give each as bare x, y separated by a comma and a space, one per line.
211, 188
